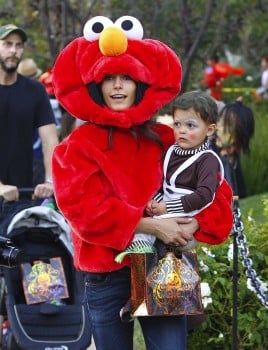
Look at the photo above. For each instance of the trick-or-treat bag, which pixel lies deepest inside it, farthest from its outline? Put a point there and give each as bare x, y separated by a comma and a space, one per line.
167, 285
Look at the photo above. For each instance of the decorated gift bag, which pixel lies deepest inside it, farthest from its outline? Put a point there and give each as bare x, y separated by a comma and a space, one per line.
165, 284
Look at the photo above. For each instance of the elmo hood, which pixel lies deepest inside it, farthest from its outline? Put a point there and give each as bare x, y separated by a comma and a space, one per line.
115, 48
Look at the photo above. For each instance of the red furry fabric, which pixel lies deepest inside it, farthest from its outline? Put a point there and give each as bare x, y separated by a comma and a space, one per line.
148, 61
216, 221
103, 191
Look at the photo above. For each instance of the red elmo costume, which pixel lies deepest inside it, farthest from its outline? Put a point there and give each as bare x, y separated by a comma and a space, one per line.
102, 188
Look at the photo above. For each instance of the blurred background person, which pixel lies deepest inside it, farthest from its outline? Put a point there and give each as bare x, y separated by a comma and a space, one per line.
65, 121
29, 68
215, 74
262, 91
212, 80
235, 129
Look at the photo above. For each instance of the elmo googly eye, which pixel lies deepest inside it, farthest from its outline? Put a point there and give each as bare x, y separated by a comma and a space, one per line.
131, 26
95, 26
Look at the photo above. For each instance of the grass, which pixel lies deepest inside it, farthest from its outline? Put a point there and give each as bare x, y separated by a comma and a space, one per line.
138, 338
254, 206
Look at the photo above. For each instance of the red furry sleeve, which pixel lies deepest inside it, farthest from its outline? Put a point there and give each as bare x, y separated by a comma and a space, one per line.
216, 221
85, 197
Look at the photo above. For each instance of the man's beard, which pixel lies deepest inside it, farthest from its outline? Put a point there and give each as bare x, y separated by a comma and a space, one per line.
8, 69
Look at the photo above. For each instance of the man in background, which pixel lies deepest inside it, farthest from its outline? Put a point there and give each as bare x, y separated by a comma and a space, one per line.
24, 107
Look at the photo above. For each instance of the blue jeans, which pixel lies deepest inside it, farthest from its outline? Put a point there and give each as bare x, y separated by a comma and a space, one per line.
106, 294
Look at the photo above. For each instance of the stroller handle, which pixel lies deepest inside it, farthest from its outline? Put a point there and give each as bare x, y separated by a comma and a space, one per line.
23, 191
26, 190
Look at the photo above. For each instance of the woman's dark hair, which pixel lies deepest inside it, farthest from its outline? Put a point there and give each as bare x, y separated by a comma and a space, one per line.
67, 124
140, 91
94, 91
144, 129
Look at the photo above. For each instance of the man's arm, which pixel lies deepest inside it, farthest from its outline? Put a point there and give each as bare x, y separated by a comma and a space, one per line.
49, 140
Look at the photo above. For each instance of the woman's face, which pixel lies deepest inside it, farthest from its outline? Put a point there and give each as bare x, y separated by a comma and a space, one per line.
119, 91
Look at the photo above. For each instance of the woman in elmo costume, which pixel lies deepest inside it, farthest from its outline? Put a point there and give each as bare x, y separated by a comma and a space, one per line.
107, 169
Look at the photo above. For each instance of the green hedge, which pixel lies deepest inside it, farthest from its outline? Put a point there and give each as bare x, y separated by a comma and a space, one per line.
255, 166
216, 269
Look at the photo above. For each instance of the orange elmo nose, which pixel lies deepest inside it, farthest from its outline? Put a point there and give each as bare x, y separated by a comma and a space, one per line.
112, 42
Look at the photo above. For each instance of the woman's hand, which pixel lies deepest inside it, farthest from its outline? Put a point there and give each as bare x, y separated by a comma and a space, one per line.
172, 231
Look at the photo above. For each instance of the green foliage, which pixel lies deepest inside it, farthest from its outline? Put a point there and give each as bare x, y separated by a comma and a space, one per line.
241, 26
253, 207
217, 330
138, 338
255, 166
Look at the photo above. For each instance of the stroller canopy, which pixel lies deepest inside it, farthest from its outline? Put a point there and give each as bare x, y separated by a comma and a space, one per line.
47, 218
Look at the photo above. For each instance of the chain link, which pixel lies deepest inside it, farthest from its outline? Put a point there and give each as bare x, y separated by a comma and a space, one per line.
247, 262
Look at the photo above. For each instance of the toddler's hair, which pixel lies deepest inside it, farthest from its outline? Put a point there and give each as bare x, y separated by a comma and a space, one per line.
201, 103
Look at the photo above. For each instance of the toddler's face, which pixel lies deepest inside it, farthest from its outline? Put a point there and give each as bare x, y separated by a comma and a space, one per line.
190, 129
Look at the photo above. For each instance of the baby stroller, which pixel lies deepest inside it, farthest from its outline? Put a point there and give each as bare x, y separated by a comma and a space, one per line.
37, 317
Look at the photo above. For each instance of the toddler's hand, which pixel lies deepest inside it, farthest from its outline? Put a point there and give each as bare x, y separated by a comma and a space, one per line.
159, 208
148, 208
